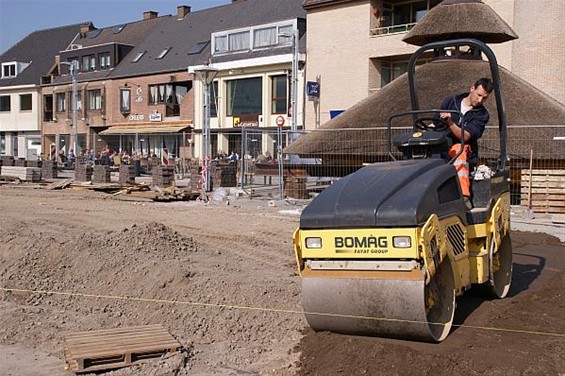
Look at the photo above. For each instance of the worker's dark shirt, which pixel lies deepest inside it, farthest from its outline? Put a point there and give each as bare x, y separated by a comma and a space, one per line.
475, 120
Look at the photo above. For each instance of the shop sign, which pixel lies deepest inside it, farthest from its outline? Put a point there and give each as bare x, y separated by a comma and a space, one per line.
155, 116
136, 117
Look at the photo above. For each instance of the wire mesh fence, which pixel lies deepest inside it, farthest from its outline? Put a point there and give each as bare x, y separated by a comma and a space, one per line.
535, 158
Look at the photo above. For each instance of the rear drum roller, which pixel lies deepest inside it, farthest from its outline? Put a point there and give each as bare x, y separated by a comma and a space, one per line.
399, 308
500, 268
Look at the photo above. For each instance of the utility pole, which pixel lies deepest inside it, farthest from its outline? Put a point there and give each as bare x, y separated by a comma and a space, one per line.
74, 74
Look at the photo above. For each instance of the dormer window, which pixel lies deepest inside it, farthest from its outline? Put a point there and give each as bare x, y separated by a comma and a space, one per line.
88, 63
8, 70
163, 53
252, 38
104, 59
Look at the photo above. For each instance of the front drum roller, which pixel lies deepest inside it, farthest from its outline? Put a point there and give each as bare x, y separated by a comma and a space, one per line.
398, 308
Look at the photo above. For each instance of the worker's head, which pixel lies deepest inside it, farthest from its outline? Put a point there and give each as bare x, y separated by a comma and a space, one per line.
480, 91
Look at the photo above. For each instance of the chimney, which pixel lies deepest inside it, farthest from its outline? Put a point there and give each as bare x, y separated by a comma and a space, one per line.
150, 14
85, 28
182, 11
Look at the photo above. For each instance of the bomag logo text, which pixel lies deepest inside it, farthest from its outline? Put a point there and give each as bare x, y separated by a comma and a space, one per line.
361, 242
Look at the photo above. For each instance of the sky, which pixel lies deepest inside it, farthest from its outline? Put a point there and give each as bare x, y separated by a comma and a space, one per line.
19, 18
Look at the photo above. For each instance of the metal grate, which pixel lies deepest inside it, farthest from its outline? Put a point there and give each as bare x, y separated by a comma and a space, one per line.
456, 238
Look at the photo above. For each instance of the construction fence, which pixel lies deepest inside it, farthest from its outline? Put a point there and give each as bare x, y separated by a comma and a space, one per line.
535, 157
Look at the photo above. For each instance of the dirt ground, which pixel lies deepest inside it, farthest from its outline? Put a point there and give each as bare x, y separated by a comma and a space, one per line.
222, 280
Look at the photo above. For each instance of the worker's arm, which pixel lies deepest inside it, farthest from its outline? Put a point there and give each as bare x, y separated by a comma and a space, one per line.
455, 129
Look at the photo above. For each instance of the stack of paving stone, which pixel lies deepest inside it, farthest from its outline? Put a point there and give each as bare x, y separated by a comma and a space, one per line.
163, 176
20, 162
7, 160
127, 174
34, 163
83, 172
224, 175
49, 170
101, 174
295, 187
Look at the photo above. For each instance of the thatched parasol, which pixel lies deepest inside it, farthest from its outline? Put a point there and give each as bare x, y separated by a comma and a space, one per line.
525, 105
460, 19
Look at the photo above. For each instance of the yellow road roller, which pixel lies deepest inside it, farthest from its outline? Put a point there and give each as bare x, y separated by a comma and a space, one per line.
386, 250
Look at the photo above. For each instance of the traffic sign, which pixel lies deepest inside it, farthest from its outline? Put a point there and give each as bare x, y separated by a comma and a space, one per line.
279, 121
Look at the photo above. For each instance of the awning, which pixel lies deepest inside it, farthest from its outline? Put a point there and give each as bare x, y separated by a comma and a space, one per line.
132, 129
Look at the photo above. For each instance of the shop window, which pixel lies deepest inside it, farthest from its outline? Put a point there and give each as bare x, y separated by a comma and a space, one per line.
244, 97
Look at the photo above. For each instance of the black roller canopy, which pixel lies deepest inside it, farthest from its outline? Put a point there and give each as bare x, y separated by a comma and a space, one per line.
391, 194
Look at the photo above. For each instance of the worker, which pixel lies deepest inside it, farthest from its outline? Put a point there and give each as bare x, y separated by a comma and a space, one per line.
475, 119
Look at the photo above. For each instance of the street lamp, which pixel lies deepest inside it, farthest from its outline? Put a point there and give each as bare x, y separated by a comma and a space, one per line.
293, 82
206, 75
73, 65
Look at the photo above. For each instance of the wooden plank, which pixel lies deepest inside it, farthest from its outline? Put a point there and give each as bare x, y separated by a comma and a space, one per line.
543, 172
544, 196
129, 329
555, 204
543, 190
543, 180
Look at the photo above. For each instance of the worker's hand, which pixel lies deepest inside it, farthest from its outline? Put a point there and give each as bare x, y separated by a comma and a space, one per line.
446, 116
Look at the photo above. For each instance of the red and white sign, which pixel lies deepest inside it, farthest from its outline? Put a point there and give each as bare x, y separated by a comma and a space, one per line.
279, 121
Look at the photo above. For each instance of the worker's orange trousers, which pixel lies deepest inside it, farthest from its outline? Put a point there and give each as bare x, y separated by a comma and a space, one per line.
462, 167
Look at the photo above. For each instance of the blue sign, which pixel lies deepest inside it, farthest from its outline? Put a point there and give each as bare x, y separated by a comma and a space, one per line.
313, 89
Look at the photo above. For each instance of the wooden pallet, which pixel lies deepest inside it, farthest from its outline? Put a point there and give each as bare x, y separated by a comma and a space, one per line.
115, 348
543, 190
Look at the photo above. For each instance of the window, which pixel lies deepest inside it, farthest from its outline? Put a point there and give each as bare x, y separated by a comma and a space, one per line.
279, 96
8, 70
261, 36
94, 99
79, 100
221, 43
48, 107
238, 41
88, 63
104, 59
138, 56
73, 60
244, 97
25, 102
5, 104
197, 48
405, 13
125, 101
61, 104
169, 94
265, 37
214, 99
163, 53
392, 70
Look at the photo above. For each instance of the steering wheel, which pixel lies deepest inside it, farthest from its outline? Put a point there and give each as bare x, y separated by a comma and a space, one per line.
431, 124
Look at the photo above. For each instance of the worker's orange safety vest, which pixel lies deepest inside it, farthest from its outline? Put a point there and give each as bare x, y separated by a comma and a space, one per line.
462, 167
